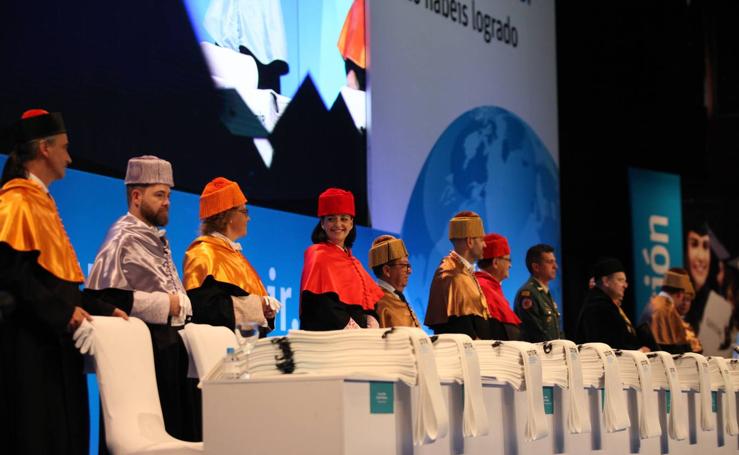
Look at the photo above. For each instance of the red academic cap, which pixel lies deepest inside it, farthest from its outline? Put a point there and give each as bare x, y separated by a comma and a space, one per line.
335, 201
495, 246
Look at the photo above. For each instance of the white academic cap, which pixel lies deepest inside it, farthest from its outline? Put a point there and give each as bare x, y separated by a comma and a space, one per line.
149, 170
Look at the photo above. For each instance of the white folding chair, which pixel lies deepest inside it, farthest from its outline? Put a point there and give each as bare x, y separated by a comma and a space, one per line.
208, 344
124, 363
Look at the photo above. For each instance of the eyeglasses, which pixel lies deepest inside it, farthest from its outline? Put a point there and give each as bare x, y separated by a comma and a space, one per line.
510, 261
407, 266
245, 211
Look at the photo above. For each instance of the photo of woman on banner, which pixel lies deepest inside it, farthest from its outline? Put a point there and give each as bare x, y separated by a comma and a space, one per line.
711, 314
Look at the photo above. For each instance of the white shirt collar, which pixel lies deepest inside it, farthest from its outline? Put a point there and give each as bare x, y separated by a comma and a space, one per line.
32, 177
385, 285
158, 232
464, 261
235, 245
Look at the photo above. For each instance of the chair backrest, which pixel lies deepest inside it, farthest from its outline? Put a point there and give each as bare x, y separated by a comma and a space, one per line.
230, 69
208, 344
124, 364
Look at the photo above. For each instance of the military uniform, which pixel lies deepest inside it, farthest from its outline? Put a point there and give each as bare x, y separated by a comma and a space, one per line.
538, 312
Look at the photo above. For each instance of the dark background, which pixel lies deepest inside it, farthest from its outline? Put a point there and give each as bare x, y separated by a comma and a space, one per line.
651, 84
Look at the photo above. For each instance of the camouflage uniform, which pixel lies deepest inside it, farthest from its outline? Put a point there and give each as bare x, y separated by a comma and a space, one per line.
538, 312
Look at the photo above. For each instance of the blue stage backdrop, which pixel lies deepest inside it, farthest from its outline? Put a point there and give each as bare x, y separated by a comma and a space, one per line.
489, 161
656, 226
468, 123
90, 203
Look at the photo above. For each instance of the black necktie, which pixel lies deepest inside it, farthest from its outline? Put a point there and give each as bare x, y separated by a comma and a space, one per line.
400, 294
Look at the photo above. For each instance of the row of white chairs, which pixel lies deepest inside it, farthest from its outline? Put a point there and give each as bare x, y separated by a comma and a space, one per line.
124, 365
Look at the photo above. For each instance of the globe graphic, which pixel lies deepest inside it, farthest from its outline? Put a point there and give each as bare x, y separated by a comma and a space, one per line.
492, 162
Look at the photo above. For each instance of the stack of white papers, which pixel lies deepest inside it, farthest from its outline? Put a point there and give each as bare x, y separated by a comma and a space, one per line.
691, 368
554, 363
501, 361
636, 373
519, 364
592, 366
628, 370
600, 369
457, 360
368, 353
659, 376
733, 366
718, 367
694, 374
665, 376
403, 354
561, 366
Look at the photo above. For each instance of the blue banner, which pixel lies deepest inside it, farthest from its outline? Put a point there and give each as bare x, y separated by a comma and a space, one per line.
656, 225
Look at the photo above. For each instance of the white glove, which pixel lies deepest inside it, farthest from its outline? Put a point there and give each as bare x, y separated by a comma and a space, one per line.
84, 338
185, 310
273, 303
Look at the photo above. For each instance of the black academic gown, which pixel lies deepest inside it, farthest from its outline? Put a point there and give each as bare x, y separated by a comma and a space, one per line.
43, 390
326, 312
212, 304
600, 321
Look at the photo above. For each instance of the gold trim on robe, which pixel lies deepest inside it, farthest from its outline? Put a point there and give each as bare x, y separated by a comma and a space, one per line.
667, 325
454, 292
30, 221
394, 312
208, 255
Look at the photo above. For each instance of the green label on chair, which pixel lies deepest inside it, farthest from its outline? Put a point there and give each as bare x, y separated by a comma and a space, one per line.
382, 397
668, 400
548, 400
714, 401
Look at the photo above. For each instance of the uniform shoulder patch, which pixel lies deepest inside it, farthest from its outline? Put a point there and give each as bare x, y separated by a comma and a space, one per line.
526, 304
525, 293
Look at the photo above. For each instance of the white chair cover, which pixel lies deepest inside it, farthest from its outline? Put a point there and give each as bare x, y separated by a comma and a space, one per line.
124, 363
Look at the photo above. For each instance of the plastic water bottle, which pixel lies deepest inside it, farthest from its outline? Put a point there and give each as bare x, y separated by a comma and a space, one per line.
231, 365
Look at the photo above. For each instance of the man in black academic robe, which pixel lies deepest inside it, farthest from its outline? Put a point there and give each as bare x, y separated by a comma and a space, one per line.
43, 392
601, 318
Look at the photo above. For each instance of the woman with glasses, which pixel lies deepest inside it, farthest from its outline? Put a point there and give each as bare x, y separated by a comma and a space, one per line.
336, 292
222, 285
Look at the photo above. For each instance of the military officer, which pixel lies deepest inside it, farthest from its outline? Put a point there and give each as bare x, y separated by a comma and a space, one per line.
534, 304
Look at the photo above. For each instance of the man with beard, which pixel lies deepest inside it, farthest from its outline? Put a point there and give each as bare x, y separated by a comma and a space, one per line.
134, 271
456, 301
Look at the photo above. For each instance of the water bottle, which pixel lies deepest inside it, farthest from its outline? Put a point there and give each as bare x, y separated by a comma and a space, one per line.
230, 365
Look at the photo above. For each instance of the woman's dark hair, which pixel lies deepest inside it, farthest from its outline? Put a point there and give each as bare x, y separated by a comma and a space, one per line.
17, 159
319, 235
216, 223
